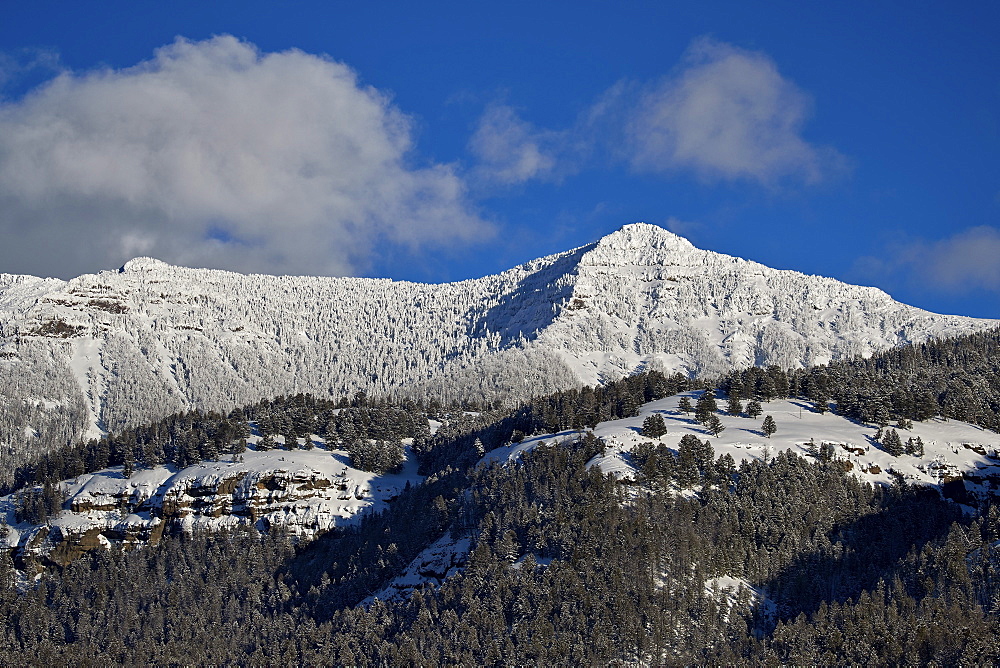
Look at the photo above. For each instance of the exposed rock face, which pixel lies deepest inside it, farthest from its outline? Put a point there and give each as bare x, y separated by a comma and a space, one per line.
302, 493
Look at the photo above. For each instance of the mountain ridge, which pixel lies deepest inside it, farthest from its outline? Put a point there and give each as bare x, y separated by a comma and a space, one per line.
132, 345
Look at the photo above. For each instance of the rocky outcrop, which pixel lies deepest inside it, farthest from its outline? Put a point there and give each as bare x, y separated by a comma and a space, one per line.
300, 493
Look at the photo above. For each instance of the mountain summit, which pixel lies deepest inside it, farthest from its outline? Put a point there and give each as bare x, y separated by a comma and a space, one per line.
115, 349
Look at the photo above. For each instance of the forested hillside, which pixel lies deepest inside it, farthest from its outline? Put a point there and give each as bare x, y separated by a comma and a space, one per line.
568, 565
692, 557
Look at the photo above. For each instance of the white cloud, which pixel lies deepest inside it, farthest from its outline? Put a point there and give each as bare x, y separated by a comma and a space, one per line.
966, 261
17, 65
215, 154
683, 228
510, 150
727, 113
962, 263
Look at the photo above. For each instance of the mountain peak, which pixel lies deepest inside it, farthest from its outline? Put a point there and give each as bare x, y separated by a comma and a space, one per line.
142, 264
644, 235
647, 232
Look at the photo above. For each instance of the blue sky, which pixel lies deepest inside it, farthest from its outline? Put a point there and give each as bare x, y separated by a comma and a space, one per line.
438, 141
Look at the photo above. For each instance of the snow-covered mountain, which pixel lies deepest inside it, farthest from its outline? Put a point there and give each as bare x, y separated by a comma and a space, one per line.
119, 348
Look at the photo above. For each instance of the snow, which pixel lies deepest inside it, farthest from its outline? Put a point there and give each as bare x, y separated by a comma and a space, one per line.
440, 560
951, 447
84, 362
298, 504
156, 339
727, 591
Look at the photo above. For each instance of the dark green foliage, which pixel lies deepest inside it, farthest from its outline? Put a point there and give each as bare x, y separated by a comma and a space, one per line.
706, 406
376, 456
694, 460
567, 566
754, 409
757, 383
653, 426
714, 425
958, 378
191, 437
891, 443
37, 504
859, 574
685, 405
734, 407
768, 426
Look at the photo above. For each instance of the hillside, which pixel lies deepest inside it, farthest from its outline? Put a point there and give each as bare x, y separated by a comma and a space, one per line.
307, 492
770, 548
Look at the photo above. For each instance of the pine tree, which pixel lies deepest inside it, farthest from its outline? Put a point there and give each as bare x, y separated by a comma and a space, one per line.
706, 406
880, 413
725, 467
685, 405
914, 446
714, 425
891, 443
128, 465
768, 426
754, 409
654, 426
687, 460
735, 406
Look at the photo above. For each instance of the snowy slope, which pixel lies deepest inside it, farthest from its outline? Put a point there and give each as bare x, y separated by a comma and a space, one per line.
952, 449
125, 347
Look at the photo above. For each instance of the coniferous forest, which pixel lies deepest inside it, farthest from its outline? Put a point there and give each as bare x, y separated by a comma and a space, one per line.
566, 565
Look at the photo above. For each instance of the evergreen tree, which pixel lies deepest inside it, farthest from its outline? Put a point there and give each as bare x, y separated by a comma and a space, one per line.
891, 443
714, 425
880, 413
687, 460
768, 426
685, 405
706, 406
754, 409
735, 406
654, 426
128, 465
914, 446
